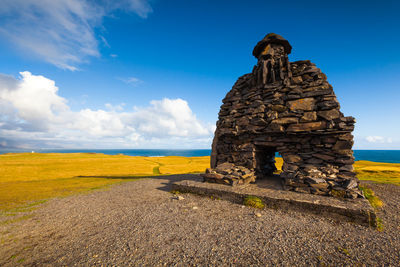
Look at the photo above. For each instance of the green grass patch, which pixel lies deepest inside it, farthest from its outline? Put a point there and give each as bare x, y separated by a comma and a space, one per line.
379, 224
253, 201
156, 170
375, 202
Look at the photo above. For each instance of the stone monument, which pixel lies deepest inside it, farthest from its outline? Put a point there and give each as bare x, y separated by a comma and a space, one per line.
289, 108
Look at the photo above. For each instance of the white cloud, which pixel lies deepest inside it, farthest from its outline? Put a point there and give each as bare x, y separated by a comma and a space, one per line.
131, 80
119, 107
105, 42
171, 117
32, 101
61, 32
378, 139
32, 114
141, 7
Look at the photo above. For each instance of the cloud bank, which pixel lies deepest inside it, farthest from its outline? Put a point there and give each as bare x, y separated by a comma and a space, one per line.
376, 142
378, 139
34, 115
61, 32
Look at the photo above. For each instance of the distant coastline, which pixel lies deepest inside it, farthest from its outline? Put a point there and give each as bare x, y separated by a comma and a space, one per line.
388, 156
128, 152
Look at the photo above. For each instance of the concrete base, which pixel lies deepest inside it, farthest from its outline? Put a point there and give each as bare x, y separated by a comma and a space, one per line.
354, 210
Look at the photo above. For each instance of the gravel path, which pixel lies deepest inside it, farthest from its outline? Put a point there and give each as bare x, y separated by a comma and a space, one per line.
140, 223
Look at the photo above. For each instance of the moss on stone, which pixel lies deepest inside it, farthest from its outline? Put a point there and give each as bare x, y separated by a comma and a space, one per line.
253, 201
338, 193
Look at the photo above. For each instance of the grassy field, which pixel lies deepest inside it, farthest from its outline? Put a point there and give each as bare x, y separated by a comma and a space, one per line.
27, 179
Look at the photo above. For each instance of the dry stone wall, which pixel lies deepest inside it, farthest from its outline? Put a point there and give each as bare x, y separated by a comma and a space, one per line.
290, 108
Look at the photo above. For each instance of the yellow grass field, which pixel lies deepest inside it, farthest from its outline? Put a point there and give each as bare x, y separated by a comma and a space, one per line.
26, 178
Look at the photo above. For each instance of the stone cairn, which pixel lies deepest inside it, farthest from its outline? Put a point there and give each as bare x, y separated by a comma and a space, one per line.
290, 108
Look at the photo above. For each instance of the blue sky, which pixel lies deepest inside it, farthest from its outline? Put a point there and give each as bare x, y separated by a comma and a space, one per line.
152, 74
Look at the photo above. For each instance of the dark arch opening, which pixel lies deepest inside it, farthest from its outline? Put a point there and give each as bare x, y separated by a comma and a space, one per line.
265, 161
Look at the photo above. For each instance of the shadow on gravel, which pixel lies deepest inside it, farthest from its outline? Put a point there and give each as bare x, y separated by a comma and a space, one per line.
176, 178
167, 185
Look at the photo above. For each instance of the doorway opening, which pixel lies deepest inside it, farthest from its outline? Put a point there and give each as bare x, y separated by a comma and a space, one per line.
265, 161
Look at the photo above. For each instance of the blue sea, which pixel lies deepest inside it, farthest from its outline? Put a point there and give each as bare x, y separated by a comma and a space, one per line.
128, 152
389, 156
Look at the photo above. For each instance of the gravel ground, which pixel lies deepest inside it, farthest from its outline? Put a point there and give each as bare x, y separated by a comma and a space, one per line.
140, 223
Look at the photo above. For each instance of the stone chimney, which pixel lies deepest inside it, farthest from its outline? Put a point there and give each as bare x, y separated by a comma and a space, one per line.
273, 63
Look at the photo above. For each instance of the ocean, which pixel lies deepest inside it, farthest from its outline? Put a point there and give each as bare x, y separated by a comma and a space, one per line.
128, 152
389, 156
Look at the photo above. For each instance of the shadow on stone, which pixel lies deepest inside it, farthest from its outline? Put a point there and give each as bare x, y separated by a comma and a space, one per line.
270, 191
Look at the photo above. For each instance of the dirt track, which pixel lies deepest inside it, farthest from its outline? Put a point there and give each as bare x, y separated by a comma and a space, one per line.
139, 223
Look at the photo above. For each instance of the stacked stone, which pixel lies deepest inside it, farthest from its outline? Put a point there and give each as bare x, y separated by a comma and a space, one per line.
290, 108
228, 173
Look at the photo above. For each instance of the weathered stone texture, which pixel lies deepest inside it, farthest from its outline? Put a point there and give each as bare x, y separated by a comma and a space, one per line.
290, 108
